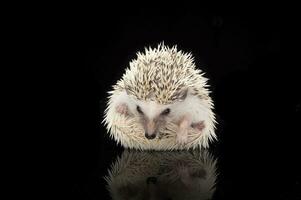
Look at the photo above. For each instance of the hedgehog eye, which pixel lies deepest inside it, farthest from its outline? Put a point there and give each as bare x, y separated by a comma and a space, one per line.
139, 110
166, 111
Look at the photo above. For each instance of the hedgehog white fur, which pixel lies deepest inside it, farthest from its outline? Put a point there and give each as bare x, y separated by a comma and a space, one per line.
162, 102
162, 175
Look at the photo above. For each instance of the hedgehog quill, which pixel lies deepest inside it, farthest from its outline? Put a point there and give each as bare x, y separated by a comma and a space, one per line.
161, 102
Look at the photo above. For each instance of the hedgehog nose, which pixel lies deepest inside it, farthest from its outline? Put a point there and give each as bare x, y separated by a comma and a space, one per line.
150, 137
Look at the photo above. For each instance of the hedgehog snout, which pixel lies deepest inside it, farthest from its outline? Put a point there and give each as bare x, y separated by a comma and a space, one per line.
150, 128
150, 136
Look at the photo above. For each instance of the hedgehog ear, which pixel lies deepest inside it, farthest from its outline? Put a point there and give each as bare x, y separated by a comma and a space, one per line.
183, 94
127, 91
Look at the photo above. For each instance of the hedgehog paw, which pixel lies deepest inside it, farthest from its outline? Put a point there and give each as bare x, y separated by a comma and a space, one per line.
182, 137
122, 109
198, 126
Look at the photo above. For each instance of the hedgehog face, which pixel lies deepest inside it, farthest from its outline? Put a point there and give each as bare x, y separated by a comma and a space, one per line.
152, 116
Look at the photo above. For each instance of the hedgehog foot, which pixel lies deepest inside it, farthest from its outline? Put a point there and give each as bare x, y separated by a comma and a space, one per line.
122, 109
199, 126
182, 136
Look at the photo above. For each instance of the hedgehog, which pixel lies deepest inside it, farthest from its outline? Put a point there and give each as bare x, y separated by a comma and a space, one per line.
162, 102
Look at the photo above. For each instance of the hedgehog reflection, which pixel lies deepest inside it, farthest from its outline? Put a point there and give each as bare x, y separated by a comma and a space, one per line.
162, 175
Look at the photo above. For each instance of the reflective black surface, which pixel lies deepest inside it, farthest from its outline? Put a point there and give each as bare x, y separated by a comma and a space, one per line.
162, 175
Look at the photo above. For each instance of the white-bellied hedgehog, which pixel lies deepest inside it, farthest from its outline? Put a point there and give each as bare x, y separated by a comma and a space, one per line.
162, 102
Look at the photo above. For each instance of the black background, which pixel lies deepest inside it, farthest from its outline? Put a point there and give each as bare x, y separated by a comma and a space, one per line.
249, 59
